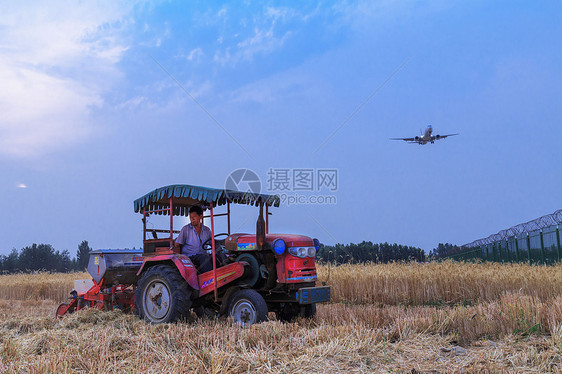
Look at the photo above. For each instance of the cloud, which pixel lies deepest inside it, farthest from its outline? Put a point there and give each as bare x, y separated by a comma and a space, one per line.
56, 61
221, 12
265, 37
195, 54
21, 185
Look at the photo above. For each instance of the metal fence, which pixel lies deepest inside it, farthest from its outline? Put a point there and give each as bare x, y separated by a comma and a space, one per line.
534, 242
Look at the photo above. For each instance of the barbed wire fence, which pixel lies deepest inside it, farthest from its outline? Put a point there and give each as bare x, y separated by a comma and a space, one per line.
536, 241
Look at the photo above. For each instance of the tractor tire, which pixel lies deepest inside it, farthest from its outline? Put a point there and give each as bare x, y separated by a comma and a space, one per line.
247, 307
290, 311
162, 295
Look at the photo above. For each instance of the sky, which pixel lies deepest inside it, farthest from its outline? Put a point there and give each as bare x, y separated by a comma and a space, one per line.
102, 102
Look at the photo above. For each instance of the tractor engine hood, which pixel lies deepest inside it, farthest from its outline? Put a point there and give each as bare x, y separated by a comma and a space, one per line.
247, 242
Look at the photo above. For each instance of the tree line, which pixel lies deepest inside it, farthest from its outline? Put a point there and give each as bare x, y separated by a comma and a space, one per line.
369, 252
43, 257
444, 250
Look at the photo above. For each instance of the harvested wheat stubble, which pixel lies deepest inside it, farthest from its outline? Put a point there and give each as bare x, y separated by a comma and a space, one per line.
395, 317
341, 338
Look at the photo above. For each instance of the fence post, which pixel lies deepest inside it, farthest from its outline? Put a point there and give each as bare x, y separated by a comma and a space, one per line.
558, 241
529, 248
542, 249
517, 247
507, 250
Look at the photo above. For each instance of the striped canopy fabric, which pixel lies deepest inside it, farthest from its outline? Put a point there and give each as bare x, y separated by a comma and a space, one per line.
185, 196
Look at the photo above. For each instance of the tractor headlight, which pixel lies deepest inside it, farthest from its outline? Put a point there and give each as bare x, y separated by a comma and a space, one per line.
303, 252
279, 246
312, 252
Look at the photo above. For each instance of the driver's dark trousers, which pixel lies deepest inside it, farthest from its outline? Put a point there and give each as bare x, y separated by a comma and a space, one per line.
202, 262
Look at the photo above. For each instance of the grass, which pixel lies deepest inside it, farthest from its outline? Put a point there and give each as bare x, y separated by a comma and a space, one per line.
385, 318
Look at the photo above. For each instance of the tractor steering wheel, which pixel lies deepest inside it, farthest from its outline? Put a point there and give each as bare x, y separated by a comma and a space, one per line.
219, 243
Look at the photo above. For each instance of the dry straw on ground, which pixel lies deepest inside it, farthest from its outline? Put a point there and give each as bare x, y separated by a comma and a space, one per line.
431, 320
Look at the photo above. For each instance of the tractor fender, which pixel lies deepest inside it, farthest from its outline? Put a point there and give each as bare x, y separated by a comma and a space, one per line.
182, 263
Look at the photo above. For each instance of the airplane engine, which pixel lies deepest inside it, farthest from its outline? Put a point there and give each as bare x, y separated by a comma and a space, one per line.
416, 138
437, 136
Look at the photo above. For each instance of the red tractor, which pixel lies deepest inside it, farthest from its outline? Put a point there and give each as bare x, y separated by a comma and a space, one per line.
252, 275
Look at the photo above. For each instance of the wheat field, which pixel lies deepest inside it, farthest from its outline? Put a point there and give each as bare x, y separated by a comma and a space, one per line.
441, 317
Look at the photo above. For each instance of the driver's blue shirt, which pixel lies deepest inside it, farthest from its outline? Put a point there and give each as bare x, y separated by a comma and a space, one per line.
191, 242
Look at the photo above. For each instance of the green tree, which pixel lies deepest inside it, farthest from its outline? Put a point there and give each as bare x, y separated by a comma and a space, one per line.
38, 257
83, 255
369, 252
65, 263
10, 262
444, 250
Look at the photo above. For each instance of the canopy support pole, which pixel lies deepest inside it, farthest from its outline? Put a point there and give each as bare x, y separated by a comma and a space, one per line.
143, 225
171, 223
214, 255
228, 215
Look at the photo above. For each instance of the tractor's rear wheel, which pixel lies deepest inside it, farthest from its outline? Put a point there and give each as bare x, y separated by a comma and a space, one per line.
162, 295
247, 307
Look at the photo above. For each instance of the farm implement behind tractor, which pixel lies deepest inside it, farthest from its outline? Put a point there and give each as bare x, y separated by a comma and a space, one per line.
252, 275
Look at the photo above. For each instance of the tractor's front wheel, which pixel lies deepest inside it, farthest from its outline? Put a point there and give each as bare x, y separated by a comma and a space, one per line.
162, 295
247, 307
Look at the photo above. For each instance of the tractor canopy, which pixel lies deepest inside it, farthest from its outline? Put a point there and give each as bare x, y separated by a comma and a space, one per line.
184, 196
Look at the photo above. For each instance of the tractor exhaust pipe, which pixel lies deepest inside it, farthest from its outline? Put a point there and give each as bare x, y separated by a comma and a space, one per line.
260, 229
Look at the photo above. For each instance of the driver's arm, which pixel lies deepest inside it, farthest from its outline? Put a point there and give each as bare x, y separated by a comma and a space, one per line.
211, 240
180, 240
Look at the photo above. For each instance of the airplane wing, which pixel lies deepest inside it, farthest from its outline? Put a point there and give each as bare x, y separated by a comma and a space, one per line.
437, 137
405, 139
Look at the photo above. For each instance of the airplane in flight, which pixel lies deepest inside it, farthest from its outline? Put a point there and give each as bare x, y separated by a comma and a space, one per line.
425, 137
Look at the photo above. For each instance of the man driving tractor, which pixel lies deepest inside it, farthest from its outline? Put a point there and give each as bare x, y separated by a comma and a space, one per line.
191, 239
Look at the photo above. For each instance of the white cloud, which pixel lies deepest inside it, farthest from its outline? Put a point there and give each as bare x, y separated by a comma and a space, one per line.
265, 38
195, 54
56, 60
263, 41
221, 12
21, 185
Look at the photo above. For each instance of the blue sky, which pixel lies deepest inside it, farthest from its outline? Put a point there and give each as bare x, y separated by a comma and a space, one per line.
91, 121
